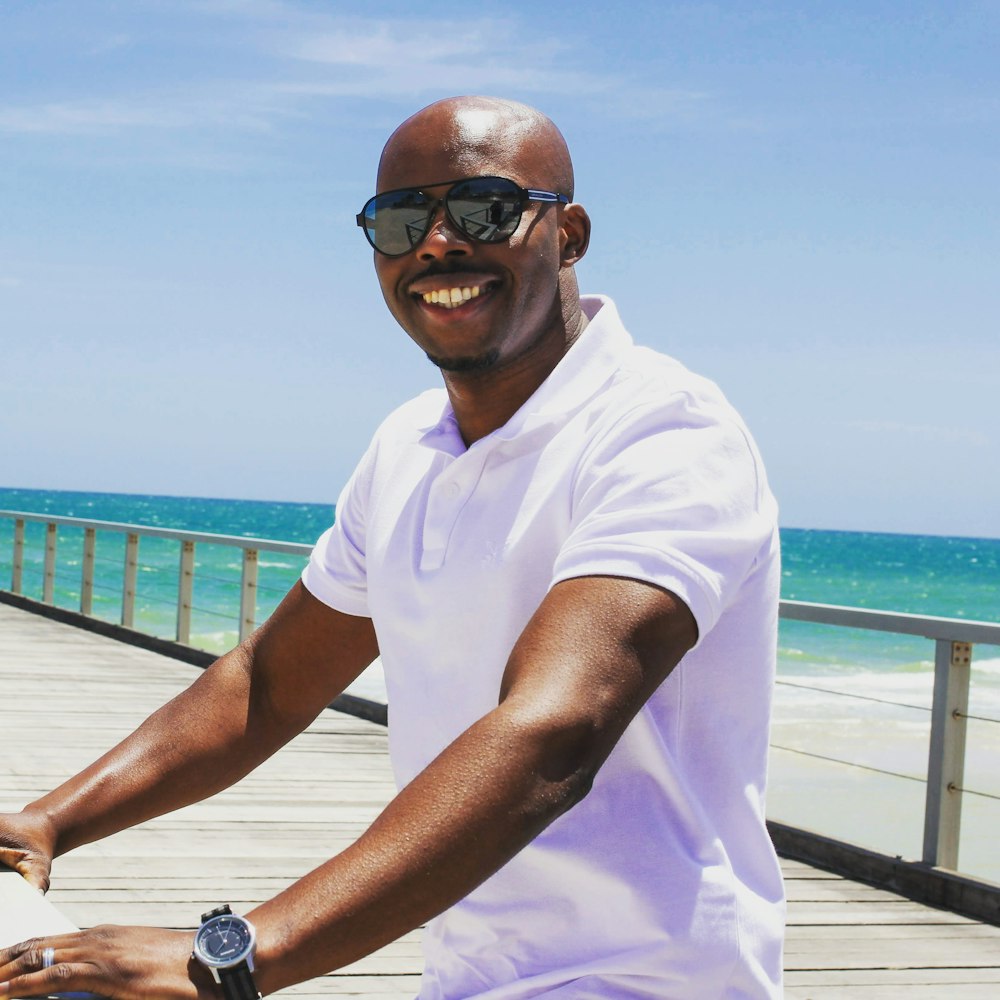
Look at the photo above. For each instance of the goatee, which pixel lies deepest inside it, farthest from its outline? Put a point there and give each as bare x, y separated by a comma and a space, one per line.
476, 363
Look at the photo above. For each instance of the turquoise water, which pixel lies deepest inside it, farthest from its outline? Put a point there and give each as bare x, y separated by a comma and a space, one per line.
287, 522
852, 717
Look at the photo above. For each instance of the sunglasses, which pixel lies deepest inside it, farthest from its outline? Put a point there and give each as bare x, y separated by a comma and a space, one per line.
487, 209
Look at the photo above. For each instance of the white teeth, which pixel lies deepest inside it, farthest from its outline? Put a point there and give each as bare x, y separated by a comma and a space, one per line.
451, 297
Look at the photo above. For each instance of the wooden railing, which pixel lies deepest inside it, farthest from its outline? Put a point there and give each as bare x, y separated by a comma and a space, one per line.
953, 639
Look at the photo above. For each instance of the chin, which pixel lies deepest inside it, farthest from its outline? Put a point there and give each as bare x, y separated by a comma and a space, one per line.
471, 363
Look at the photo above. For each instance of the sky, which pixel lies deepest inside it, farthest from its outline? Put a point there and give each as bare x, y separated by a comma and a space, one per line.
798, 200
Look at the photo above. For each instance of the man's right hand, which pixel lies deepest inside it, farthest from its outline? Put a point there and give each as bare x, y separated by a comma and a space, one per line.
27, 846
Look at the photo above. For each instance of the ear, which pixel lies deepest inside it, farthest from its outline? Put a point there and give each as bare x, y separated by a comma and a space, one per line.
574, 234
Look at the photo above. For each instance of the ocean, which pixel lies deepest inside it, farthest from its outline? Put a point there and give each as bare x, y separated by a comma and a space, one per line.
851, 707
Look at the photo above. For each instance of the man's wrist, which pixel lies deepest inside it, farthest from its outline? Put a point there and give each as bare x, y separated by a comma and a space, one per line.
45, 830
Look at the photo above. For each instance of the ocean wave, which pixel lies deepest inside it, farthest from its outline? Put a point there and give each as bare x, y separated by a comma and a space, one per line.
884, 693
988, 665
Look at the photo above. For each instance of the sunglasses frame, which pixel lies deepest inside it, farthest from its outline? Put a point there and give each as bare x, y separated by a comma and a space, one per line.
525, 196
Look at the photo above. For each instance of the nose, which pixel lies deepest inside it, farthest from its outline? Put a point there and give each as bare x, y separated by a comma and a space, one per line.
444, 238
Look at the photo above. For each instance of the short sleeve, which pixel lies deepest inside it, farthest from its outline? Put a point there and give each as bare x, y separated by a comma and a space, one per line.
673, 495
336, 573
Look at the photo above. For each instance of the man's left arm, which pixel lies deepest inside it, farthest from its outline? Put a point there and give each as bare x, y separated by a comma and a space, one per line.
588, 660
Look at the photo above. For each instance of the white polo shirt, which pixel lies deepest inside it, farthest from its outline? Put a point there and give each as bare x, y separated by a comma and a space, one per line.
662, 883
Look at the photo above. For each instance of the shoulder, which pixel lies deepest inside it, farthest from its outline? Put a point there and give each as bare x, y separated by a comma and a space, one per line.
645, 379
649, 376
654, 394
655, 418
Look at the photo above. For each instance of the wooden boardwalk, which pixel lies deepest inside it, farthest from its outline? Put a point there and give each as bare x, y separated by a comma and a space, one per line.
68, 694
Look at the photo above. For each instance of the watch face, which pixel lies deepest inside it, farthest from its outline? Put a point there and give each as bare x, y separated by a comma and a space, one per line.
224, 940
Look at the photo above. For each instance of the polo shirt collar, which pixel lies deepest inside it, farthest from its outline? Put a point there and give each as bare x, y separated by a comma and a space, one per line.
589, 364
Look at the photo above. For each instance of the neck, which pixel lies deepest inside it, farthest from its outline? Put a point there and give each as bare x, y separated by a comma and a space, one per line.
485, 400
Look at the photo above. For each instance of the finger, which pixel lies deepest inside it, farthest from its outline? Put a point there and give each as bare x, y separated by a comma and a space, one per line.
44, 966
23, 960
30, 956
37, 876
61, 978
35, 869
20, 958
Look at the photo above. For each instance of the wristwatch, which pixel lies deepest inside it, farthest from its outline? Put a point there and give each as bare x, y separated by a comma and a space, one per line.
225, 945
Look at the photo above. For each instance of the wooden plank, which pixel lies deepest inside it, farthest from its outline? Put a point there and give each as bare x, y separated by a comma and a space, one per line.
890, 977
844, 891
829, 933
863, 952
950, 989
383, 987
868, 915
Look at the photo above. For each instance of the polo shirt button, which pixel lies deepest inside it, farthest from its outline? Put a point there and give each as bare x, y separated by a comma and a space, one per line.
454, 489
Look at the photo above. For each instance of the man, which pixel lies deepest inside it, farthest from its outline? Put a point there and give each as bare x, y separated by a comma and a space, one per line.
532, 551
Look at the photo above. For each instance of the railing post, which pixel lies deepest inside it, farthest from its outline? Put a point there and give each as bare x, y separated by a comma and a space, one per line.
49, 575
87, 572
17, 571
248, 593
946, 758
131, 575
185, 591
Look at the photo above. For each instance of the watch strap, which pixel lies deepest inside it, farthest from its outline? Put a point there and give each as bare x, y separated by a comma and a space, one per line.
217, 912
237, 983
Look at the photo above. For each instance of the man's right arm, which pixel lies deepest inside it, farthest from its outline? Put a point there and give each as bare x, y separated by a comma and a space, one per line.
236, 714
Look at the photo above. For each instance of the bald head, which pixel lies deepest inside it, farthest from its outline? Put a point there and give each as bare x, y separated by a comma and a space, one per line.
473, 136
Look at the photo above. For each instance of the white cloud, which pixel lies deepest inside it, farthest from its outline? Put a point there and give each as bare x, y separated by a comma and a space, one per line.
397, 60
228, 107
380, 45
75, 117
301, 56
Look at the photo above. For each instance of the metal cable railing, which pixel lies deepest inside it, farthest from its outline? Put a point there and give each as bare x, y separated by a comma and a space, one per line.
882, 701
979, 793
851, 694
848, 763
978, 718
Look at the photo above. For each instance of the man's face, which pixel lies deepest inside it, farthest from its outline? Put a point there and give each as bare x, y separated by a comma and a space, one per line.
512, 303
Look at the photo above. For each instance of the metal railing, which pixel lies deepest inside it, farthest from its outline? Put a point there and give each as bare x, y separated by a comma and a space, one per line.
187, 540
953, 639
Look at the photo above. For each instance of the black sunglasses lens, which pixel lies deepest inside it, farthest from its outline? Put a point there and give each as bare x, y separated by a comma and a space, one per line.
397, 221
486, 208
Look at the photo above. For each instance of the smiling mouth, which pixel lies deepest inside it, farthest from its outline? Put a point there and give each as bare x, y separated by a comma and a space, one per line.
452, 298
